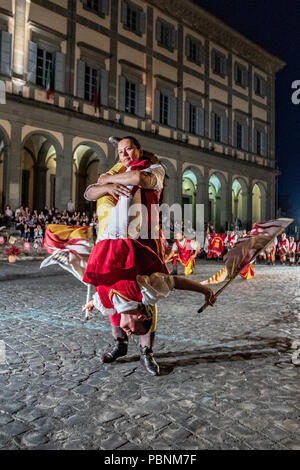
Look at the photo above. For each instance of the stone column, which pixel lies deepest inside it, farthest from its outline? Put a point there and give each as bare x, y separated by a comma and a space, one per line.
70, 56
205, 198
19, 38
64, 171
113, 69
13, 173
249, 205
228, 217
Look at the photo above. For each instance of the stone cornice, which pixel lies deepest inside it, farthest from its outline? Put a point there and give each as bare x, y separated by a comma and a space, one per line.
185, 11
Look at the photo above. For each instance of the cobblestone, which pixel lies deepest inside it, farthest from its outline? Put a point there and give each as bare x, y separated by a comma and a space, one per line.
227, 381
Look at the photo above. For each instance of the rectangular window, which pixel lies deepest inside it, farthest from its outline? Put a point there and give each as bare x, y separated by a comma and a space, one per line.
163, 109
44, 65
165, 35
217, 128
130, 97
132, 19
91, 85
239, 135
258, 143
193, 119
94, 5
239, 76
217, 68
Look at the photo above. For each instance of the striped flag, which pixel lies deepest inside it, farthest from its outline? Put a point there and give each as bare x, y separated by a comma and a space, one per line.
69, 247
247, 249
75, 239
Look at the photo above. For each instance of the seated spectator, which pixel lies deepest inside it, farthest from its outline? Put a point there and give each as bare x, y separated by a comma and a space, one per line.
27, 233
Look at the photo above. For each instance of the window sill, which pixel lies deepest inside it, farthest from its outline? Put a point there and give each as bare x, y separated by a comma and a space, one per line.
98, 13
137, 33
160, 44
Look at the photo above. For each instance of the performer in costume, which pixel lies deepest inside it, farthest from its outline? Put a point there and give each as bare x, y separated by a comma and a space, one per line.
120, 253
292, 250
283, 248
216, 246
298, 253
185, 251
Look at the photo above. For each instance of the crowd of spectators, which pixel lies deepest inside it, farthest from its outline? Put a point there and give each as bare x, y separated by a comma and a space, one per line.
32, 224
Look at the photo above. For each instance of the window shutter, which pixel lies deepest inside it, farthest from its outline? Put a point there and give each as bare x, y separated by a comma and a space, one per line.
104, 87
235, 133
263, 144
84, 3
158, 30
142, 22
5, 53
105, 7
141, 101
187, 116
124, 7
187, 46
156, 105
245, 78
31, 65
255, 141
224, 66
80, 78
263, 87
172, 111
173, 38
224, 129
212, 125
199, 121
59, 77
213, 59
199, 53
235, 72
122, 81
245, 137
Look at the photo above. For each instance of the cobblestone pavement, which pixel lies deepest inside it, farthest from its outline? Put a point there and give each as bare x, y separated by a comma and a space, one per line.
227, 378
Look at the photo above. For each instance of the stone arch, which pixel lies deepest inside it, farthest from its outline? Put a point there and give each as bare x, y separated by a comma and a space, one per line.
217, 193
259, 202
89, 161
193, 192
38, 178
4, 152
239, 200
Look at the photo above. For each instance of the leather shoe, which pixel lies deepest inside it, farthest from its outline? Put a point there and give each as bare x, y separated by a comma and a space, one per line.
120, 349
148, 361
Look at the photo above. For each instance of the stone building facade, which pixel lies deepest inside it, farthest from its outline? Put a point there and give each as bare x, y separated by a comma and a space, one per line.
193, 91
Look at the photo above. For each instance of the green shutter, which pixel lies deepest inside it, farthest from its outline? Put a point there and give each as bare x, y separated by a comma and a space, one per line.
59, 74
141, 100
31, 65
172, 111
212, 125
224, 129
104, 87
5, 53
187, 116
80, 78
124, 12
122, 81
200, 121
156, 105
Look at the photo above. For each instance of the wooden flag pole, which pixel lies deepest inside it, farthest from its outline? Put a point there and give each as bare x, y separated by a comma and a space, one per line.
88, 294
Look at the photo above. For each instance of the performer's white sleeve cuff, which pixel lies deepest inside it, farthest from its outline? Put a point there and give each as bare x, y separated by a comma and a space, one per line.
98, 305
155, 287
90, 186
122, 305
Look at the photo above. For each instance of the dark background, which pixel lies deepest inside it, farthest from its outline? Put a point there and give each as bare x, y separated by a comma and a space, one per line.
275, 26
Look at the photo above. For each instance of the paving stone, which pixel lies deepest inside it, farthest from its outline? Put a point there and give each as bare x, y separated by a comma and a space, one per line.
113, 442
29, 414
5, 418
33, 439
14, 429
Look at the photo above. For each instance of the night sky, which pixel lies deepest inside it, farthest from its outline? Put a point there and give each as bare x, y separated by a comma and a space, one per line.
275, 26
